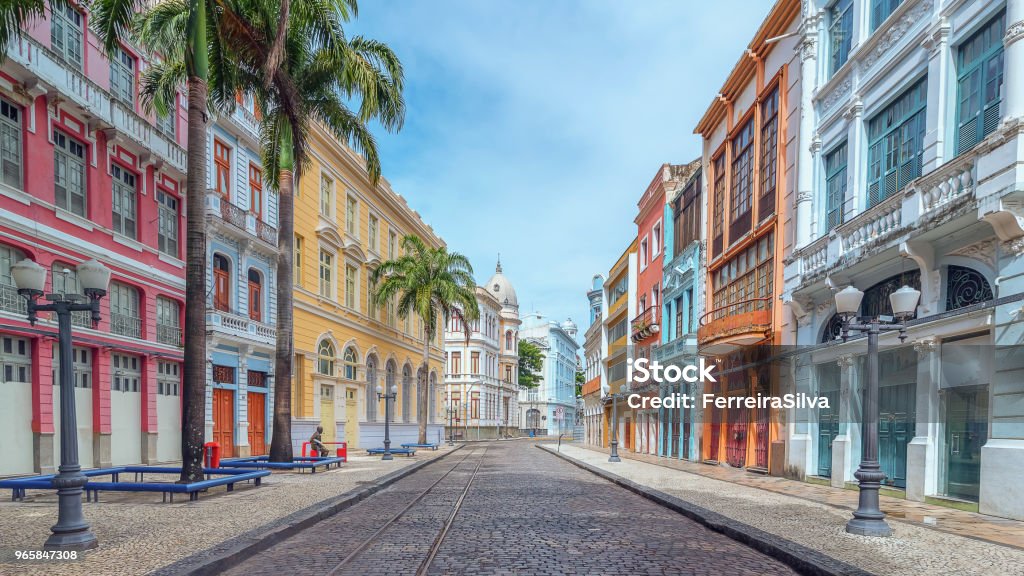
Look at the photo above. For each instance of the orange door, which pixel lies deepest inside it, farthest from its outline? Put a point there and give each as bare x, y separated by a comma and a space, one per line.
629, 434
220, 290
224, 420
257, 423
255, 303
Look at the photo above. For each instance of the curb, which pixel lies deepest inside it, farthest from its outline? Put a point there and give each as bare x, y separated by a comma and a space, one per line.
225, 554
800, 558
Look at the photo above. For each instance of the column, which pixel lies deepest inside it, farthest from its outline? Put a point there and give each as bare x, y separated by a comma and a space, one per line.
148, 409
805, 160
43, 449
242, 447
856, 167
101, 409
938, 118
846, 451
800, 425
922, 452
1013, 88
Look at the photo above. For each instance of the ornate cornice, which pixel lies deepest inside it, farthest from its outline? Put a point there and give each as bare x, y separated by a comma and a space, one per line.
925, 345
983, 250
845, 361
1014, 32
896, 31
838, 93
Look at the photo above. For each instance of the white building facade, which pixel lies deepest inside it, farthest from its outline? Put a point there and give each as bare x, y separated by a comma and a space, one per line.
913, 175
482, 373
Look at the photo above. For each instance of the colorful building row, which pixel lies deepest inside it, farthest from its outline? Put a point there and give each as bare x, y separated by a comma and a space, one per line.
855, 143
87, 173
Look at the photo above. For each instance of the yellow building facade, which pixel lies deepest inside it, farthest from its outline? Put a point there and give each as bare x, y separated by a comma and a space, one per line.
345, 346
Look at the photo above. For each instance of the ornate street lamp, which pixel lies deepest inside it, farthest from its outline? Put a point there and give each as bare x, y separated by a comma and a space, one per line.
387, 398
71, 531
614, 456
868, 519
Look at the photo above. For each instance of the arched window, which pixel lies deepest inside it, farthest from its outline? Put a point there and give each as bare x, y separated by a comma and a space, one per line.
965, 287
508, 340
255, 295
406, 393
221, 283
371, 389
876, 299
11, 301
325, 356
350, 363
833, 329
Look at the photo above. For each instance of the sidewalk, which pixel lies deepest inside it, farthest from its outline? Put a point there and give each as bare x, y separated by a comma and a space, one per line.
927, 539
138, 534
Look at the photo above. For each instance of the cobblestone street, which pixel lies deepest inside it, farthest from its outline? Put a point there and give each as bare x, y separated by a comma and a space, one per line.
525, 512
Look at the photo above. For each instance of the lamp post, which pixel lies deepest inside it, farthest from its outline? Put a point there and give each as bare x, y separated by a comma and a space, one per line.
387, 398
868, 519
71, 532
614, 456
451, 426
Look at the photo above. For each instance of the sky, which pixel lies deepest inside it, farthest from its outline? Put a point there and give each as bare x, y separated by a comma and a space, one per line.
533, 126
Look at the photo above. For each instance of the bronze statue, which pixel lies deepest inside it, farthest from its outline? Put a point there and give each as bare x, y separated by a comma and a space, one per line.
316, 442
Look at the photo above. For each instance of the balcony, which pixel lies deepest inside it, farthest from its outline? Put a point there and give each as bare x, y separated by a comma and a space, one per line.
125, 325
241, 224
926, 203
646, 324
172, 335
11, 301
733, 325
44, 68
237, 327
593, 386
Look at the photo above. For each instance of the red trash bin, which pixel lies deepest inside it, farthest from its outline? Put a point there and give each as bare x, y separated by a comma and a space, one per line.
343, 452
211, 455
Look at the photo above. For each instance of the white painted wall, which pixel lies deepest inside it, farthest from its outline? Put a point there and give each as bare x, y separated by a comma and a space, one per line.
168, 417
83, 410
125, 427
15, 428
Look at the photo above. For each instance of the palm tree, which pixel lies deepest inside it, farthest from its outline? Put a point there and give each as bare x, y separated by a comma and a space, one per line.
433, 284
321, 70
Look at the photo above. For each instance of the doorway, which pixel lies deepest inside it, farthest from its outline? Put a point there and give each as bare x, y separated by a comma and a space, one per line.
327, 412
966, 433
257, 423
224, 420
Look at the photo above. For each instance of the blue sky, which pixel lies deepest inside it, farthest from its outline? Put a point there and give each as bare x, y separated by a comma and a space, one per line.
533, 126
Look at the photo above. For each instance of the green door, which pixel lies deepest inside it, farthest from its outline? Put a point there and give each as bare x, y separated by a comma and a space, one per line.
966, 433
896, 419
828, 429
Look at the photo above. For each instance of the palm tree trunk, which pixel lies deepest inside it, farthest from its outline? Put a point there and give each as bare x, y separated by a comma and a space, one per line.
193, 426
193, 397
281, 442
422, 402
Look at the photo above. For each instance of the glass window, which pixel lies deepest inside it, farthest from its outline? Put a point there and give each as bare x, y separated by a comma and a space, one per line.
840, 33
896, 143
326, 196
222, 168
10, 144
124, 310
374, 233
125, 373
123, 202
392, 245
66, 34
167, 223
742, 181
122, 77
168, 321
256, 190
10, 300
769, 154
69, 173
746, 282
15, 359
165, 123
297, 280
979, 84
64, 278
81, 365
880, 10
325, 358
326, 274
350, 363
351, 282
718, 206
168, 378
835, 186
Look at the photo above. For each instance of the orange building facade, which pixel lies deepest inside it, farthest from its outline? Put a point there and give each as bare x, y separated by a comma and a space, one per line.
749, 149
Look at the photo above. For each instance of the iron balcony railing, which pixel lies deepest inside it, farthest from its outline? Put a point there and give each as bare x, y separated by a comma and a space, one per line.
645, 323
167, 334
125, 325
734, 308
11, 301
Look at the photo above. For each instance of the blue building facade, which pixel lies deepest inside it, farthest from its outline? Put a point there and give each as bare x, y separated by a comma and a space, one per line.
682, 307
550, 408
241, 213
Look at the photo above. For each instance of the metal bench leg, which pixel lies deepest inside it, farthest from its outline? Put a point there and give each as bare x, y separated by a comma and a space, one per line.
231, 487
258, 481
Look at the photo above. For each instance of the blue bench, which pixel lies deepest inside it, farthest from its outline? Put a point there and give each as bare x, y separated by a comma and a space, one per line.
224, 477
431, 446
378, 451
301, 463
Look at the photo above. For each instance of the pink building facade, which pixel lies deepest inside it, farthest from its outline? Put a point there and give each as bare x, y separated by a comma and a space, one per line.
87, 174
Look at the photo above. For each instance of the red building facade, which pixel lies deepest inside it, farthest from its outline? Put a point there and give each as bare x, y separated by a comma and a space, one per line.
87, 174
